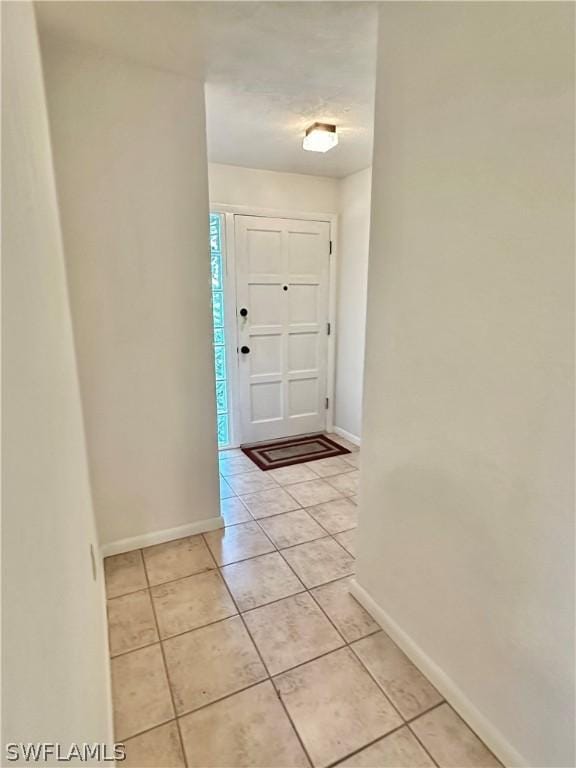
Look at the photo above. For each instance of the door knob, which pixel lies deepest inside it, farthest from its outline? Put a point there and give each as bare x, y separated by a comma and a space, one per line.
244, 350
244, 312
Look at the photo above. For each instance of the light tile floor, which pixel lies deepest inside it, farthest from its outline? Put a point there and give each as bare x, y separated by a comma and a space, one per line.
243, 647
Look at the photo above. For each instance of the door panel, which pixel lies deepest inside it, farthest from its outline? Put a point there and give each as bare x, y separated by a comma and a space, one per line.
302, 396
303, 352
303, 253
282, 280
304, 303
265, 303
266, 354
266, 401
264, 252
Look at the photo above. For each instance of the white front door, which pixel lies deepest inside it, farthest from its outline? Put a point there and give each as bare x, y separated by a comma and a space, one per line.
282, 295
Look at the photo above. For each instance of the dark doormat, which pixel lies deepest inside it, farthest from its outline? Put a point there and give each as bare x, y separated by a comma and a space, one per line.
292, 450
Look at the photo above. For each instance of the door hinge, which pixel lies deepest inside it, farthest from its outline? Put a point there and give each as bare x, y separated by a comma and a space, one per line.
328, 329
330, 251
327, 403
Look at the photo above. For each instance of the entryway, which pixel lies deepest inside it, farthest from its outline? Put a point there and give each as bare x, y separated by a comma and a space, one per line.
271, 309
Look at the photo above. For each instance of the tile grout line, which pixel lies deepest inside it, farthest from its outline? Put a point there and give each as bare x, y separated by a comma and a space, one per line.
178, 634
223, 698
242, 560
328, 536
269, 677
309, 591
404, 721
366, 746
405, 724
168, 680
318, 523
219, 568
282, 704
310, 541
307, 542
410, 720
346, 644
469, 727
419, 740
306, 591
255, 519
325, 478
315, 538
302, 506
288, 512
363, 665
413, 732
149, 730
149, 587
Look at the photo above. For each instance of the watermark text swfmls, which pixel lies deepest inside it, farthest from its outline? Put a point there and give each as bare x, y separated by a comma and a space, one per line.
42, 752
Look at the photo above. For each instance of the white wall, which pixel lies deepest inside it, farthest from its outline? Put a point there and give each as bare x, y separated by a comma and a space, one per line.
233, 185
130, 158
55, 670
466, 536
354, 233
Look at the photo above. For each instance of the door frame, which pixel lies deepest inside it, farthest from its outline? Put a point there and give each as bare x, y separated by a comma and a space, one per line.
231, 307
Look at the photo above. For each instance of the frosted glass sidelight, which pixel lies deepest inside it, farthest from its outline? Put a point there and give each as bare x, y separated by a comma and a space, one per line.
217, 275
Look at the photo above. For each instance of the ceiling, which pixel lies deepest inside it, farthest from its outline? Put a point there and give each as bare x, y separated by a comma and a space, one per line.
271, 69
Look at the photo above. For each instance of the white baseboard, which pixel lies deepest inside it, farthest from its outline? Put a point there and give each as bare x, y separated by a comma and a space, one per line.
447, 687
346, 435
159, 537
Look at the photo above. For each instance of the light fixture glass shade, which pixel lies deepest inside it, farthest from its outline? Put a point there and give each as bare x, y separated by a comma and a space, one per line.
320, 137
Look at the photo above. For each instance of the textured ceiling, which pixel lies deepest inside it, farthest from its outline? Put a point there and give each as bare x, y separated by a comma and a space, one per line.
271, 69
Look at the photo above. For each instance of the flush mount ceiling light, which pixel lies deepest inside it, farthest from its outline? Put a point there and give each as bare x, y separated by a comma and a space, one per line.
320, 137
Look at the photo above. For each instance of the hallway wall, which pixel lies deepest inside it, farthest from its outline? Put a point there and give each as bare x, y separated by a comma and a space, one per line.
466, 537
55, 683
354, 233
234, 185
130, 158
